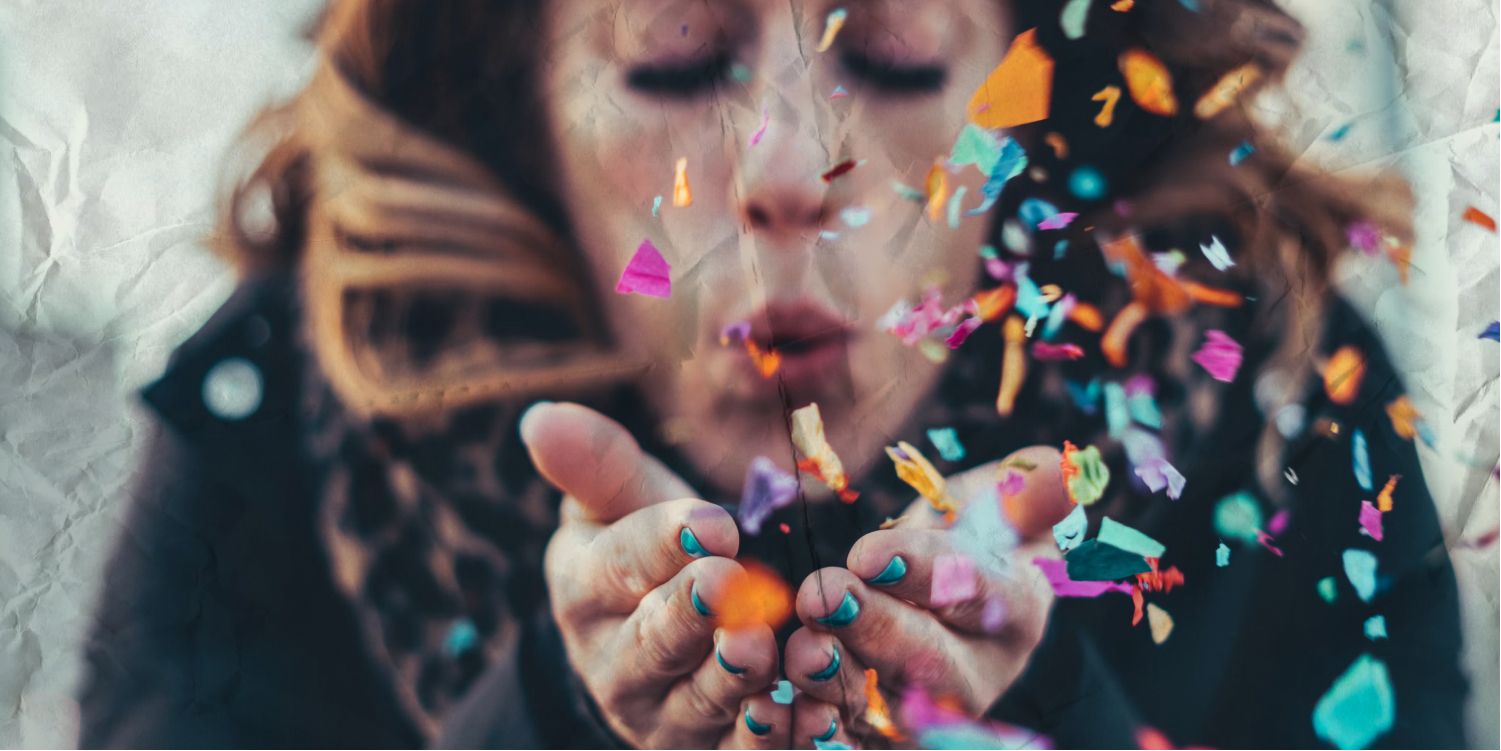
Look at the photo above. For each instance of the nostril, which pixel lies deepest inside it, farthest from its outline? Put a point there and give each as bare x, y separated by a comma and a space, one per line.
758, 216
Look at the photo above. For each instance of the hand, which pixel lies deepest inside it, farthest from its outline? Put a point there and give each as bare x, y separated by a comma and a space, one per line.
878, 612
634, 572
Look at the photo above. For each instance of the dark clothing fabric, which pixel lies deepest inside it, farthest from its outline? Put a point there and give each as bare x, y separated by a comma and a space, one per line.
220, 623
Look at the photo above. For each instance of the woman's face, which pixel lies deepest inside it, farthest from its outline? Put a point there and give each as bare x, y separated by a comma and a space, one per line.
739, 89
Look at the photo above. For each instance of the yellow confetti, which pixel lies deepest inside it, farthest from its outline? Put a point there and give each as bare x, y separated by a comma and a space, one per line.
832, 24
937, 189
1343, 375
1060, 146
1160, 622
682, 195
1019, 90
1013, 365
915, 470
1384, 498
1226, 91
1404, 417
877, 711
808, 438
1109, 95
1149, 82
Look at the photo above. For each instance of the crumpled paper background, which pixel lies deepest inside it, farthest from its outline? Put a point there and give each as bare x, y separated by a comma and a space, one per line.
115, 120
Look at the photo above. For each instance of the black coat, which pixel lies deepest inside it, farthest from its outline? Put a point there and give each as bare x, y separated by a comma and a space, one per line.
219, 625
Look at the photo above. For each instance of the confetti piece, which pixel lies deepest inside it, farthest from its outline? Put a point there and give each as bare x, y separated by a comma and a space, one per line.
1093, 560
1113, 343
1344, 374
1328, 589
1370, 520
682, 195
1361, 460
955, 204
1058, 221
1159, 622
1241, 152
1070, 532
989, 304
946, 440
943, 724
1012, 483
1058, 144
808, 438
647, 273
767, 488
1019, 90
977, 146
1013, 366
1085, 473
761, 131
1278, 523
1480, 218
915, 470
1226, 90
1121, 536
1360, 569
656, 206
936, 190
1075, 13
1056, 572
767, 362
1492, 332
1149, 82
839, 93
1238, 517
1121, 6
1045, 352
1109, 96
1266, 541
1220, 355
1338, 134
1222, 555
1384, 498
1158, 474
954, 580
754, 595
838, 170
877, 712
1086, 183
1375, 627
1218, 256
1358, 707
832, 24
855, 216
983, 534
784, 693
1404, 416
1365, 237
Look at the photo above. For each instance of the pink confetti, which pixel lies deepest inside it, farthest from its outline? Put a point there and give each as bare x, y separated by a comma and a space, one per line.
1012, 484
761, 131
993, 616
1046, 352
962, 332
1364, 237
1278, 523
1056, 572
1220, 355
1266, 542
954, 580
1370, 520
1158, 474
1057, 221
647, 273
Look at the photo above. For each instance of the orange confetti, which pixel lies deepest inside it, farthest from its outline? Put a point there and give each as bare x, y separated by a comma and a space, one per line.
1220, 298
1087, 316
1060, 146
1384, 498
937, 189
1226, 91
1013, 365
1404, 417
1121, 6
877, 711
1401, 257
1149, 82
767, 361
847, 494
1343, 375
1113, 343
682, 195
991, 304
1066, 465
754, 596
1019, 90
1109, 95
1476, 216
1154, 289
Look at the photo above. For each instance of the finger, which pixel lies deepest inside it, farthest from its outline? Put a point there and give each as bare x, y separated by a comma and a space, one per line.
816, 723
903, 564
763, 723
899, 640
1043, 500
742, 663
592, 458
621, 563
821, 667
671, 632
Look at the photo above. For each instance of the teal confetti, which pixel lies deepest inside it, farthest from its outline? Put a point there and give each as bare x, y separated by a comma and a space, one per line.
1072, 19
908, 192
1222, 555
1375, 627
1358, 707
1340, 132
1094, 561
1238, 516
1360, 569
1086, 183
1010, 163
783, 693
1241, 152
946, 440
956, 202
1361, 459
740, 73
977, 146
1070, 532
1121, 536
656, 206
462, 636
1117, 414
1144, 410
1328, 589
1033, 211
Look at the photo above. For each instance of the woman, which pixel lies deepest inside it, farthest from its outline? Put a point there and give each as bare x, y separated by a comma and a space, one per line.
353, 553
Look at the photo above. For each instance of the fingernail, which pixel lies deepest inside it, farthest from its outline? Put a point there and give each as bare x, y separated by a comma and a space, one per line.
828, 735
755, 727
892, 574
698, 603
830, 671
728, 668
522, 425
843, 615
690, 544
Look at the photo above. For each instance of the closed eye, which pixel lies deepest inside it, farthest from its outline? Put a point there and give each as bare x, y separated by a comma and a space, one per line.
892, 77
680, 80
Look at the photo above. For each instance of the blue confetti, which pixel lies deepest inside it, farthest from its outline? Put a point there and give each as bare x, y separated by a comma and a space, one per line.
1358, 707
1035, 211
946, 440
1492, 332
1086, 183
1362, 460
1340, 132
1375, 627
1085, 396
1360, 569
656, 206
1222, 555
1192, 5
1009, 164
462, 636
1240, 153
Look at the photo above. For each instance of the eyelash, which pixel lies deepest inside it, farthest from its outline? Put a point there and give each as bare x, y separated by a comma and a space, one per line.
685, 81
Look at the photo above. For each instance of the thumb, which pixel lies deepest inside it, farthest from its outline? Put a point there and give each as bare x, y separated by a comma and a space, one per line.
1042, 500
593, 459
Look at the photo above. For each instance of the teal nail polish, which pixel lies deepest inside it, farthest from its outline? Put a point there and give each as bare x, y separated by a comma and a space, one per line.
690, 544
756, 727
698, 603
830, 671
892, 574
828, 735
728, 668
843, 615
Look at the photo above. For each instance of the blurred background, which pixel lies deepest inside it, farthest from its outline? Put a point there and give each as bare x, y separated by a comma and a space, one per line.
116, 120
